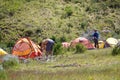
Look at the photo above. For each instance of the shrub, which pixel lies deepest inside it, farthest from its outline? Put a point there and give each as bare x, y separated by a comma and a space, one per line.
71, 48
58, 49
116, 50
70, 25
29, 32
77, 1
68, 11
67, 0
54, 38
10, 44
63, 39
79, 48
84, 25
113, 4
10, 61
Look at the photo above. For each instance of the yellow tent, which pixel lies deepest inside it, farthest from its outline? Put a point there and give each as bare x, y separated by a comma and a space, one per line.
112, 41
2, 52
101, 44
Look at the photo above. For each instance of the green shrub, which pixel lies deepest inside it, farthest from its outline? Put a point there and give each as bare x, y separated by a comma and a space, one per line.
67, 0
70, 49
10, 44
63, 39
77, 1
54, 38
28, 0
10, 63
73, 1
29, 32
84, 25
114, 4
95, 1
68, 11
58, 49
70, 25
79, 48
116, 50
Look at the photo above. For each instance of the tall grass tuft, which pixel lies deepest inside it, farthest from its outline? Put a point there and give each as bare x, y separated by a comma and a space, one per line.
3, 75
116, 50
10, 63
80, 48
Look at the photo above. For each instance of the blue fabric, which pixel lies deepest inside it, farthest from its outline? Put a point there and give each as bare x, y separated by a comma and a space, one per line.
49, 45
96, 35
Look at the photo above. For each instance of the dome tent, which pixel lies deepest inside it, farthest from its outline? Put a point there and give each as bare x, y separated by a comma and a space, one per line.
112, 41
84, 41
26, 48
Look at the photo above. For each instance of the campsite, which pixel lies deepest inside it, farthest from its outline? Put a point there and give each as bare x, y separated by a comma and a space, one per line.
59, 39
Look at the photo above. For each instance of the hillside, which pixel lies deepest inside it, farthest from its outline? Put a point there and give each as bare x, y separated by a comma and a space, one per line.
38, 19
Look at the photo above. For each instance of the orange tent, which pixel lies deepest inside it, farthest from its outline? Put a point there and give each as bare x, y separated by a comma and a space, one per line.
83, 41
25, 48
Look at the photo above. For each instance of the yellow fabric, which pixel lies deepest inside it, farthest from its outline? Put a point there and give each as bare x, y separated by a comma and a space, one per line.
101, 44
2, 52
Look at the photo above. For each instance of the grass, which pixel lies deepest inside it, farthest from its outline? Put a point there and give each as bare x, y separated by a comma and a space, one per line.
91, 65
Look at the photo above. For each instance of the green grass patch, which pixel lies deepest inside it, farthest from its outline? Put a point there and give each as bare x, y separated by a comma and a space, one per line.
92, 65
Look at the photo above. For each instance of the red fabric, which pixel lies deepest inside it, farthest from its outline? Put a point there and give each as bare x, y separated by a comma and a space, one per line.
32, 55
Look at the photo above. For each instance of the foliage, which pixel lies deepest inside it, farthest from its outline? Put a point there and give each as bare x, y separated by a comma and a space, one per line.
84, 25
3, 75
58, 49
10, 44
80, 48
10, 63
116, 50
68, 10
114, 4
46, 18
63, 39
54, 38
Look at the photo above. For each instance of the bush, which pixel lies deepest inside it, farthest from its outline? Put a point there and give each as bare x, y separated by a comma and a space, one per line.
63, 39
10, 44
79, 48
58, 49
68, 11
84, 25
10, 61
54, 38
29, 32
116, 50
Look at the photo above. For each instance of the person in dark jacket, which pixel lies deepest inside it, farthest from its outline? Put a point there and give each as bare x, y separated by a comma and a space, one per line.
95, 38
